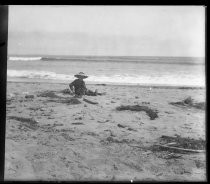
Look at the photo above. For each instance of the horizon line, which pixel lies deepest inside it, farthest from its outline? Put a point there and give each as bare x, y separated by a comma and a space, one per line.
65, 55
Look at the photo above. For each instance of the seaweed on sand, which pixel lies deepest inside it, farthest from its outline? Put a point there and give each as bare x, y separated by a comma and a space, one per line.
112, 140
27, 122
151, 113
180, 144
189, 102
100, 84
49, 94
88, 92
59, 99
65, 91
185, 142
69, 101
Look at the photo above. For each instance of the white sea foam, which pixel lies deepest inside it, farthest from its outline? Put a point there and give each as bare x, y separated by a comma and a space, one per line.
116, 79
34, 74
24, 58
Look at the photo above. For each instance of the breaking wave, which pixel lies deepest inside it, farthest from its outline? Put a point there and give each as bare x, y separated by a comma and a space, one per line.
135, 59
113, 79
24, 58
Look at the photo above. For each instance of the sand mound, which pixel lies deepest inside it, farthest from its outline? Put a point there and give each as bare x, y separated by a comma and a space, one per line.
151, 113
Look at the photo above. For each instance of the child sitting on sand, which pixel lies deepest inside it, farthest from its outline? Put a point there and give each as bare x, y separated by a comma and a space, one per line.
79, 87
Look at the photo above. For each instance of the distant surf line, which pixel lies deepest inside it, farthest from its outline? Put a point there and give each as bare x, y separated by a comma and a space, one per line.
143, 60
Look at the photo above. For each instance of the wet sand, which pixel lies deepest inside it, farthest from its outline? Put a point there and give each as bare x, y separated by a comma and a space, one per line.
51, 137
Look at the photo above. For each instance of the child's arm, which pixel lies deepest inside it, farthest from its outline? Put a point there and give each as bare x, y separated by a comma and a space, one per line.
71, 85
86, 90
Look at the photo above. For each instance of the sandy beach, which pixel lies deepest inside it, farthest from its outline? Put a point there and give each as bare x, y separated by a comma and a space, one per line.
52, 136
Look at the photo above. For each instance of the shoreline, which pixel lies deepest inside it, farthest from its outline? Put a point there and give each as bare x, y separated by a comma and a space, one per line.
118, 85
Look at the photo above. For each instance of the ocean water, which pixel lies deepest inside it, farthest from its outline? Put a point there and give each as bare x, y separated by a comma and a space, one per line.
169, 71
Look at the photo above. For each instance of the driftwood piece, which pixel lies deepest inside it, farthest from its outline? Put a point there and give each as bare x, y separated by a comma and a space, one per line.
135, 146
88, 101
182, 149
183, 142
171, 143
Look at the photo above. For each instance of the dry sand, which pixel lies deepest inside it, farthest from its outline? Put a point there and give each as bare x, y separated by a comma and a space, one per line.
52, 139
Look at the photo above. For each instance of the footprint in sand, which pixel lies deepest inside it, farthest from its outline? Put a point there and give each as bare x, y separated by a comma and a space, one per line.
77, 123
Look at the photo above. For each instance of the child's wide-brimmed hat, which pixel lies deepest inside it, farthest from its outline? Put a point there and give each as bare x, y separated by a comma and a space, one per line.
81, 75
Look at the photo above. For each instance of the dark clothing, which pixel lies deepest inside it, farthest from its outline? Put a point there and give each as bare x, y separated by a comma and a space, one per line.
79, 87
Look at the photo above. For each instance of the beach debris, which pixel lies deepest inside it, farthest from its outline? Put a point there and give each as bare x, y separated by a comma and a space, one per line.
121, 126
137, 146
100, 84
42, 109
27, 122
112, 140
68, 100
11, 96
50, 117
77, 123
100, 121
128, 128
91, 93
111, 133
169, 112
189, 102
181, 149
168, 155
25, 92
180, 144
89, 101
9, 101
147, 152
57, 124
65, 91
151, 113
78, 118
131, 129
73, 101
49, 94
186, 87
105, 121
145, 102
132, 165
91, 134
128, 142
67, 137
200, 164
66, 130
29, 96
59, 99
115, 167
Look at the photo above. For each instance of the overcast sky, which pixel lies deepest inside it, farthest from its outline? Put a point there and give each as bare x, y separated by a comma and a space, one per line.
107, 30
